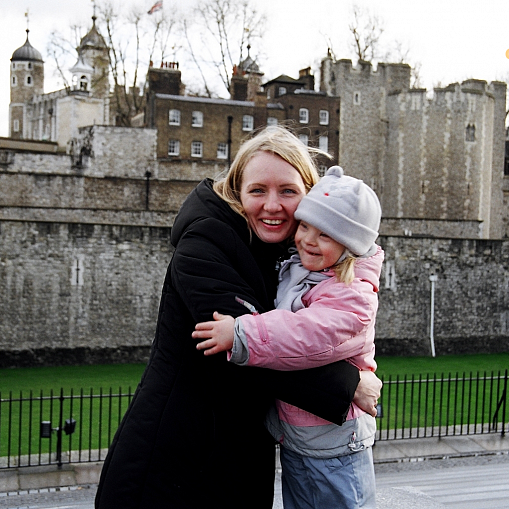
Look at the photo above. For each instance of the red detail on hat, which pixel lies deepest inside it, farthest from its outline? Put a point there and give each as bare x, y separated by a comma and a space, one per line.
326, 194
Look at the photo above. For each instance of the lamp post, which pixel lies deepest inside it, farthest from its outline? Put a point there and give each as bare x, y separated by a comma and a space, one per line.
433, 279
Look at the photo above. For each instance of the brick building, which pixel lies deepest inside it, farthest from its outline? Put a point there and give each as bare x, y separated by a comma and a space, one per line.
199, 132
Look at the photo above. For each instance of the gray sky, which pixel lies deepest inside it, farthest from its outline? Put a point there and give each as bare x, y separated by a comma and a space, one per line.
452, 39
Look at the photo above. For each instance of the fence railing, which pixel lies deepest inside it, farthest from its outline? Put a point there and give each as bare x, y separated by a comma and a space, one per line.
78, 428
60, 428
418, 407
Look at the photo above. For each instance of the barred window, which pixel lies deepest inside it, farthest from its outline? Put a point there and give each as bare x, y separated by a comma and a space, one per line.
304, 138
323, 143
174, 117
196, 149
174, 148
197, 119
247, 123
222, 150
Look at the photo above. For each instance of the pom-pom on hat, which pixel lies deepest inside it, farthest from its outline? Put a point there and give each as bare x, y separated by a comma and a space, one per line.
344, 208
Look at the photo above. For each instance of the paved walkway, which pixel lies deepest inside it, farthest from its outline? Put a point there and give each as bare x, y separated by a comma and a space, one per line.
429, 448
15, 483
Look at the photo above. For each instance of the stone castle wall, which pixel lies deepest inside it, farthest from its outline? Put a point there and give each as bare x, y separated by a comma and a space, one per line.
91, 289
90, 293
83, 255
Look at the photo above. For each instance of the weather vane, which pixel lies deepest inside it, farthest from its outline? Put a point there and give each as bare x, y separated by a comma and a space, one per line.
26, 16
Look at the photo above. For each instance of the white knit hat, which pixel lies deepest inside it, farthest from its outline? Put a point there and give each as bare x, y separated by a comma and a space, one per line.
344, 208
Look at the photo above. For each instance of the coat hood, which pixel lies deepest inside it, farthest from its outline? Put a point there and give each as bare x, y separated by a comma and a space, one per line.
203, 203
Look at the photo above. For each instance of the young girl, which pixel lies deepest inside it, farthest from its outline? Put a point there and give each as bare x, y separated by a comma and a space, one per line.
326, 308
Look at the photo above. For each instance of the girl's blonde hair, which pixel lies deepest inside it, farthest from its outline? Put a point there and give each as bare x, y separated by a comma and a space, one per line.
345, 270
277, 140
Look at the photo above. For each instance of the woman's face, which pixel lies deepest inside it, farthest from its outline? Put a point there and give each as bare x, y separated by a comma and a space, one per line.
270, 192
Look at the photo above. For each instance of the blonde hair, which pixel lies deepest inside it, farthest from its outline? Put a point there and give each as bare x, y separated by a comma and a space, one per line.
345, 270
277, 140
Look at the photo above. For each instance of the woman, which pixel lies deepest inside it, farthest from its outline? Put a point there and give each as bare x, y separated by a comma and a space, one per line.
193, 436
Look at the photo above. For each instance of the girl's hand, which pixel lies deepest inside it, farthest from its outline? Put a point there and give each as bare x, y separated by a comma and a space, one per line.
368, 391
219, 334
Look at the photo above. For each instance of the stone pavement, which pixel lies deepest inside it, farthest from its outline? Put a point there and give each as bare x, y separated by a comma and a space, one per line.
412, 449
17, 481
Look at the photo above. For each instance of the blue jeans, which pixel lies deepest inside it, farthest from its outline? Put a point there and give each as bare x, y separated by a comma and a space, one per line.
345, 482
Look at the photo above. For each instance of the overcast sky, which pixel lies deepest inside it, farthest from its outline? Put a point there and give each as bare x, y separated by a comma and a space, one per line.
452, 39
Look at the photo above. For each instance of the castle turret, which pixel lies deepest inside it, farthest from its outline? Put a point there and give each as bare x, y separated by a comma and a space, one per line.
93, 53
27, 80
246, 79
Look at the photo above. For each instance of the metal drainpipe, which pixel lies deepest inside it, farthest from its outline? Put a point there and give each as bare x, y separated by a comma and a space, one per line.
230, 120
433, 278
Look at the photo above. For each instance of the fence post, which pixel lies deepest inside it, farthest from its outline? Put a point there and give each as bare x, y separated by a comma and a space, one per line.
504, 404
60, 429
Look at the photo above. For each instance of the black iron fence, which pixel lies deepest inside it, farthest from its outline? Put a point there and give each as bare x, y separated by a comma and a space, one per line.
418, 407
77, 427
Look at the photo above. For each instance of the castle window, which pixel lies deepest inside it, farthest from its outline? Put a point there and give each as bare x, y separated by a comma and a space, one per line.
303, 115
323, 143
174, 117
14, 65
324, 117
15, 126
282, 90
197, 119
14, 82
271, 121
29, 80
470, 133
247, 123
83, 83
416, 102
304, 138
222, 150
174, 148
357, 98
196, 149
29, 65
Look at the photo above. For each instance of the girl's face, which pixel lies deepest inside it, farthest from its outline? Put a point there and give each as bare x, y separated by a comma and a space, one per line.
270, 192
316, 249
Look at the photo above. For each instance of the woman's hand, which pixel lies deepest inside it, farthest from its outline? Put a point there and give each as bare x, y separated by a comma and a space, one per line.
368, 391
219, 334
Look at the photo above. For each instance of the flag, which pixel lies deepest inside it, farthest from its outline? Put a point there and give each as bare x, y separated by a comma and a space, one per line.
156, 7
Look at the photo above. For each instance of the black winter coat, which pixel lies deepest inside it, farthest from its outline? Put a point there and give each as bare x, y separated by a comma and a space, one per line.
193, 436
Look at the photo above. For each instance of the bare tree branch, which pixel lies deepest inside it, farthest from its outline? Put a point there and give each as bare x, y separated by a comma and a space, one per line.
220, 33
366, 29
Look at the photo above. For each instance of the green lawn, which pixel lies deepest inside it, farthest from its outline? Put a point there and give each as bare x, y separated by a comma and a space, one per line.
443, 364
97, 397
128, 375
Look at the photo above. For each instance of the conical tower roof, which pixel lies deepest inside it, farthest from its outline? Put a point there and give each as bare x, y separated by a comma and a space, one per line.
93, 38
26, 53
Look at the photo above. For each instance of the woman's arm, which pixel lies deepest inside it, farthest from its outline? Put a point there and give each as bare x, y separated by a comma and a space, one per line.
210, 268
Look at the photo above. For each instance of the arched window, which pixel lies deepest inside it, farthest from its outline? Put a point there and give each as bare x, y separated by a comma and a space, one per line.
84, 83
